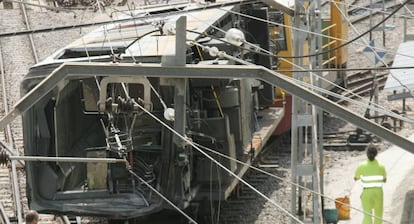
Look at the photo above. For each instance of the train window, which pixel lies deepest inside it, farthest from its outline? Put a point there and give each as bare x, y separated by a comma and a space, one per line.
90, 95
91, 52
135, 90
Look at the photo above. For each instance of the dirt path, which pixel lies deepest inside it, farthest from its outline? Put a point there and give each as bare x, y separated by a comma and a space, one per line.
400, 167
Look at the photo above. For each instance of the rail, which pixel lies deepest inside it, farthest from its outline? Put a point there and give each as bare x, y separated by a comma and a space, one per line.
7, 128
10, 145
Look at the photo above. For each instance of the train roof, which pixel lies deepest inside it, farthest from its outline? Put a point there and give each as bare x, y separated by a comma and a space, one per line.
121, 37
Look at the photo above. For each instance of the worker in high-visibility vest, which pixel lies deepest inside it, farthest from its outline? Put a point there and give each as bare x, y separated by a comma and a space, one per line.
373, 176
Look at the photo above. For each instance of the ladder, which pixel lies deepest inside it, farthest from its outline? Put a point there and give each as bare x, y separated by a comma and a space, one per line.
306, 131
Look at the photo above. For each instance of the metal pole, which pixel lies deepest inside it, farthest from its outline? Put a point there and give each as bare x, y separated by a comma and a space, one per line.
375, 83
72, 70
370, 19
30, 35
15, 186
383, 25
16, 191
4, 216
67, 159
295, 203
405, 25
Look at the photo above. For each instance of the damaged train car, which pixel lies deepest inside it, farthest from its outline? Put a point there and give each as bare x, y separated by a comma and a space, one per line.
152, 123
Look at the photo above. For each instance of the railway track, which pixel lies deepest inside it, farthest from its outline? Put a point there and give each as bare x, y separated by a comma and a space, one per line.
14, 66
245, 206
364, 11
12, 69
360, 84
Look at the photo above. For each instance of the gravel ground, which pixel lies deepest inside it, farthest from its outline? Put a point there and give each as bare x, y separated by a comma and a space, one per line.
344, 162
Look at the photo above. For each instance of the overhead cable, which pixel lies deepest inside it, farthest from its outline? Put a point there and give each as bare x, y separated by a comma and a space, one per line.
363, 39
267, 52
294, 28
375, 52
334, 48
356, 38
371, 9
55, 9
286, 180
408, 10
162, 196
219, 164
142, 17
373, 106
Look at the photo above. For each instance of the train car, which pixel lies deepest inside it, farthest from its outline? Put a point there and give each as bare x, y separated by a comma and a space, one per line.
334, 25
156, 125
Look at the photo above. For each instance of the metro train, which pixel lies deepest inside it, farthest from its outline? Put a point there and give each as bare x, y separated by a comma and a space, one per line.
158, 125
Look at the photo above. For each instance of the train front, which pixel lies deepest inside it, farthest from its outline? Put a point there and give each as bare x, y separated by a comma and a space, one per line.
129, 119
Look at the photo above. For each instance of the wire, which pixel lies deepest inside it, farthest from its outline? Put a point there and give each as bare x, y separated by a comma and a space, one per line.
55, 9
142, 180
346, 69
361, 35
337, 47
364, 41
268, 53
151, 16
371, 9
158, 95
293, 28
408, 10
219, 201
195, 145
281, 178
372, 49
245, 62
276, 56
219, 164
217, 100
373, 106
161, 195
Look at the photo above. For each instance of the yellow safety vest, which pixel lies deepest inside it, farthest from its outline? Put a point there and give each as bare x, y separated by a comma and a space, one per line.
371, 173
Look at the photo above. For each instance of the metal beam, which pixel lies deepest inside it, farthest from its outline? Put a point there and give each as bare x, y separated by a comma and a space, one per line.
400, 96
4, 217
67, 159
282, 5
84, 70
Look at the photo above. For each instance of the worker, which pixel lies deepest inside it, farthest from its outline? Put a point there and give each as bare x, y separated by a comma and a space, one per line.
373, 176
32, 217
